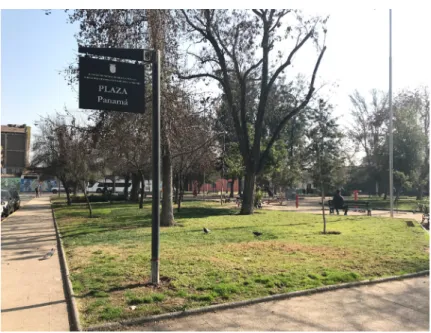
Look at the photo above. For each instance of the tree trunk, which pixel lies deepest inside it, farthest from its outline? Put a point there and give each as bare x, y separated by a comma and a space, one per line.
141, 200
231, 188
135, 187
420, 195
126, 186
88, 202
178, 195
167, 216
177, 189
66, 189
248, 195
323, 209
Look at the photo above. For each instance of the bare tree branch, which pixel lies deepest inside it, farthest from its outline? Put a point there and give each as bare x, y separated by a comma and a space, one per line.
293, 113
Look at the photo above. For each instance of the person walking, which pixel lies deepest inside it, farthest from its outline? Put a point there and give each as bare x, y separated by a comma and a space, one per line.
36, 189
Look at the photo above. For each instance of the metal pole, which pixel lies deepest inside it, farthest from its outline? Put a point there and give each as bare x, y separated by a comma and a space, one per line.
391, 116
155, 231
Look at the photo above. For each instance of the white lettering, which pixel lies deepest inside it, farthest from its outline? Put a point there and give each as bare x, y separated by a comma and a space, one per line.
101, 99
113, 90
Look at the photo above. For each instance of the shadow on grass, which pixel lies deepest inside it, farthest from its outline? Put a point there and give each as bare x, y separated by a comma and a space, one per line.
201, 212
104, 226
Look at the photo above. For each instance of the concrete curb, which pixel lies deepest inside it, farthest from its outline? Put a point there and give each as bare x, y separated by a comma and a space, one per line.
423, 227
218, 307
73, 313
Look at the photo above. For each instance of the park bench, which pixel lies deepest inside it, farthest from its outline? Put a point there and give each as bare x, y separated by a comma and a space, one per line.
279, 199
365, 205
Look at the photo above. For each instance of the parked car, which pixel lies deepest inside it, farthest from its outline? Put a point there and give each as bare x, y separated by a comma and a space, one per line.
7, 203
16, 199
57, 189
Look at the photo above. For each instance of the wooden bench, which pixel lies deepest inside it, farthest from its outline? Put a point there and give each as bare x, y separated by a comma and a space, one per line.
349, 204
276, 199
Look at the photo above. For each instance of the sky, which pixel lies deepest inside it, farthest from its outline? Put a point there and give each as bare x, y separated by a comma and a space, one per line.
35, 48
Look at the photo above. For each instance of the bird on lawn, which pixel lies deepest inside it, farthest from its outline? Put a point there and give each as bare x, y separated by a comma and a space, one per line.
257, 233
49, 254
207, 231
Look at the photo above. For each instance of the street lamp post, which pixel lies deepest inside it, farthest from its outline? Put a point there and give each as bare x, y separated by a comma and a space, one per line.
391, 115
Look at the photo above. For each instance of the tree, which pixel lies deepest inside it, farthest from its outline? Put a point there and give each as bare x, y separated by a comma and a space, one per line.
325, 148
83, 166
233, 163
369, 130
230, 55
64, 149
143, 29
325, 157
410, 139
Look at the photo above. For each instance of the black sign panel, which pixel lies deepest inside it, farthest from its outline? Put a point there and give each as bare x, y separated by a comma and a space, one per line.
111, 86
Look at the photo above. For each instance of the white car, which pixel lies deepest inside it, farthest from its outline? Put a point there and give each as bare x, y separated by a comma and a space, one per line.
57, 189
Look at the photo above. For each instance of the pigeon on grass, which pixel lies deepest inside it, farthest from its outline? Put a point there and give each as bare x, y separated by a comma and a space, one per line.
207, 231
48, 255
257, 233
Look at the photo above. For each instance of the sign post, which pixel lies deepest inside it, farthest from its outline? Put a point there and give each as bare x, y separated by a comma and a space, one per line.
155, 231
119, 86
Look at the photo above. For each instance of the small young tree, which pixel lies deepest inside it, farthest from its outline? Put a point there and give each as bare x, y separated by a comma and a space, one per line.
52, 150
325, 156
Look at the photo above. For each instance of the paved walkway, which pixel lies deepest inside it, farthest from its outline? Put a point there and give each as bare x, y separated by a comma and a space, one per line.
314, 209
390, 306
32, 296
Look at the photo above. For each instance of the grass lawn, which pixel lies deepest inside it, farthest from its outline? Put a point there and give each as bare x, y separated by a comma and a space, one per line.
406, 203
109, 256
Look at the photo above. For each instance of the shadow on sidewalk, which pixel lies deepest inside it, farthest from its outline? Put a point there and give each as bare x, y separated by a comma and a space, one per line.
32, 306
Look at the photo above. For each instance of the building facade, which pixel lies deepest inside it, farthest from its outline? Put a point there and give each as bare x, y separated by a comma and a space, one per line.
15, 149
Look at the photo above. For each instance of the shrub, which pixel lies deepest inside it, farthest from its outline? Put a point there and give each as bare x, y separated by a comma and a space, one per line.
98, 198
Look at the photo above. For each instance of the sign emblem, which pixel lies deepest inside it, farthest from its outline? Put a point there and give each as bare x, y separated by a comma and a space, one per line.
112, 68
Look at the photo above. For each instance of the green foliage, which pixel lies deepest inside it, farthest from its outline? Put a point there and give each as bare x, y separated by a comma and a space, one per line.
325, 149
259, 195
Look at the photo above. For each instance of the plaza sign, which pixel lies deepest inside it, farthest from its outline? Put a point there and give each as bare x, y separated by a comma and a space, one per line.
111, 85
118, 86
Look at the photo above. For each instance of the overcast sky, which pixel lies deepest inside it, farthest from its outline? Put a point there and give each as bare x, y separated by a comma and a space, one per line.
35, 47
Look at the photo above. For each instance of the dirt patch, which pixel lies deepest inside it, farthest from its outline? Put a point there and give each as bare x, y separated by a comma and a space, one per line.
326, 251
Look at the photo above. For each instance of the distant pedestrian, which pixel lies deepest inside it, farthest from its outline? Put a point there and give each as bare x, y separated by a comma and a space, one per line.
37, 191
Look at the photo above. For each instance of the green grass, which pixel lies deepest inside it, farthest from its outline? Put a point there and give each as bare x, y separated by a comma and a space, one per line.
404, 203
109, 256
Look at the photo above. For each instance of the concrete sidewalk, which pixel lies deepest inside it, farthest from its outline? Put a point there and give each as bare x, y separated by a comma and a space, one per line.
32, 295
390, 306
314, 209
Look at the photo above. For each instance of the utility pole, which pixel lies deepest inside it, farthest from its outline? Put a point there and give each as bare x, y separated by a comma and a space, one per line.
391, 116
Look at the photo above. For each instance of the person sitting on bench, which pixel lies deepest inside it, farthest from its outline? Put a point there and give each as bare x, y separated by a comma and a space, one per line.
338, 202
